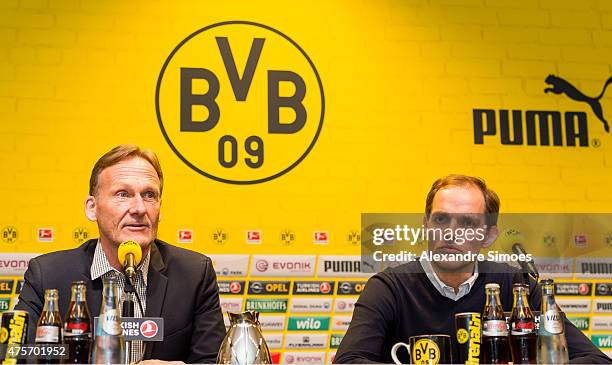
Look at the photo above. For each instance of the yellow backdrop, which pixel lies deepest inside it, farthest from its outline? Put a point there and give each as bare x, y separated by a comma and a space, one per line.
401, 80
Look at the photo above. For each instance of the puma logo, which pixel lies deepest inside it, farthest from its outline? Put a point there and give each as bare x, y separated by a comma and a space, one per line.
562, 86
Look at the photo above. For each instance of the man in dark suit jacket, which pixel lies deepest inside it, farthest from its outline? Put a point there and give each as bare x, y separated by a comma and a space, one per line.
181, 288
179, 285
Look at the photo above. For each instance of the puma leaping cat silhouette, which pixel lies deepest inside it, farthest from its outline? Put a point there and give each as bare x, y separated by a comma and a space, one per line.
562, 86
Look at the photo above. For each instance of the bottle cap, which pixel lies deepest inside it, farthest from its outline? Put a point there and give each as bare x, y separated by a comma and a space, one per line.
492, 286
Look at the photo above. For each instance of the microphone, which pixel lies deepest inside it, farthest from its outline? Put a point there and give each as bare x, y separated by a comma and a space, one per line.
511, 241
129, 254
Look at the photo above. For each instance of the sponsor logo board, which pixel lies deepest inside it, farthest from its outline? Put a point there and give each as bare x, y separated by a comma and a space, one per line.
303, 357
308, 324
345, 266
555, 267
296, 341
345, 305
602, 306
582, 323
6, 286
602, 341
601, 323
305, 305
267, 305
274, 340
573, 289
350, 287
603, 289
334, 340
231, 287
313, 287
230, 265
15, 264
590, 267
283, 265
5, 304
574, 305
272, 322
341, 323
229, 304
269, 287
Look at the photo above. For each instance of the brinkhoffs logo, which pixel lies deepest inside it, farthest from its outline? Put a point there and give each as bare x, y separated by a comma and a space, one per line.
542, 127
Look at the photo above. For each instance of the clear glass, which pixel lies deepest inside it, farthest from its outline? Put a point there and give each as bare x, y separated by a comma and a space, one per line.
552, 345
109, 347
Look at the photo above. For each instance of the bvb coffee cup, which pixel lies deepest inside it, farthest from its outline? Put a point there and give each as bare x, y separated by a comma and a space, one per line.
426, 349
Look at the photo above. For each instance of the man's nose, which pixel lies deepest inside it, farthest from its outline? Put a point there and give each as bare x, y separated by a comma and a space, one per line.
137, 205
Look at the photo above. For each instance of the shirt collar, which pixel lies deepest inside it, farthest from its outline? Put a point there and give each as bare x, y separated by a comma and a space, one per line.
100, 264
447, 290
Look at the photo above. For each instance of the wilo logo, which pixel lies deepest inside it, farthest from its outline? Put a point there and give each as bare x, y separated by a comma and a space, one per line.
542, 127
240, 102
308, 324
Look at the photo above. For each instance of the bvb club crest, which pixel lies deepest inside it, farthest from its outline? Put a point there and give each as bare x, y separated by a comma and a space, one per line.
9, 234
219, 236
287, 237
353, 237
608, 240
80, 235
549, 240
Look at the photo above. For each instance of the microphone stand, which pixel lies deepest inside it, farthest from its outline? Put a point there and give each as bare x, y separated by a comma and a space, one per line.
128, 311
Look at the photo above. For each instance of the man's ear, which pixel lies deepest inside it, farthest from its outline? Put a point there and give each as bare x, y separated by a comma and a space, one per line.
90, 208
492, 234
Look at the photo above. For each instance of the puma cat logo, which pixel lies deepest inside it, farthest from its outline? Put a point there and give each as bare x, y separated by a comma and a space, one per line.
562, 86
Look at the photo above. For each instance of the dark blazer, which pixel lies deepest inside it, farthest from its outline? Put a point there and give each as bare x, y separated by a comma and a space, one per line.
181, 287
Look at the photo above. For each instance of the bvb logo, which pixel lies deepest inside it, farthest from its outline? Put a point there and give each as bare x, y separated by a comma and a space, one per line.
287, 237
240, 102
462, 336
608, 240
219, 236
3, 335
549, 240
425, 352
353, 237
80, 235
9, 234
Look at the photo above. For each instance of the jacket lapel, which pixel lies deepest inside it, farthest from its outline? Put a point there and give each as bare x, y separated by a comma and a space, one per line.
156, 289
94, 287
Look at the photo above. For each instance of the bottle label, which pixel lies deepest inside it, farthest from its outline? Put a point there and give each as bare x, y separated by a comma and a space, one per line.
49, 334
494, 327
110, 322
76, 328
522, 328
553, 323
